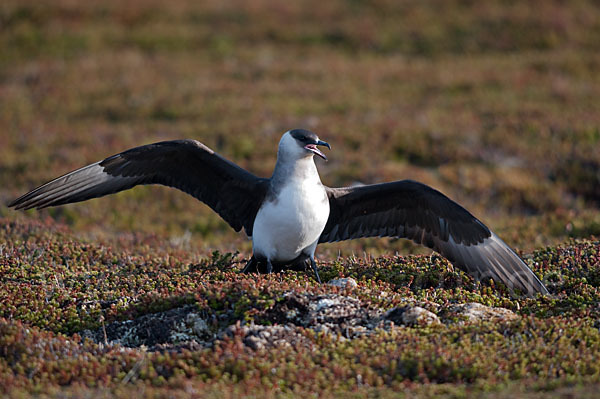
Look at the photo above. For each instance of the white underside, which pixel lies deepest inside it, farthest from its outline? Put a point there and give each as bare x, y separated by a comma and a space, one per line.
293, 223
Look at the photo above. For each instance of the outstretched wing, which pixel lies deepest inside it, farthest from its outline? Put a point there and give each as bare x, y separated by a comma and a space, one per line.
413, 210
188, 165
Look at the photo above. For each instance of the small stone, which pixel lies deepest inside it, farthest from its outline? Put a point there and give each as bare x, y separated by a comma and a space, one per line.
292, 314
199, 326
265, 337
265, 334
326, 303
254, 342
343, 282
412, 316
474, 312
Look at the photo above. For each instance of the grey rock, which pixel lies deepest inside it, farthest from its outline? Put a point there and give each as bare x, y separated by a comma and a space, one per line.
340, 316
343, 282
329, 313
412, 316
173, 326
258, 337
476, 312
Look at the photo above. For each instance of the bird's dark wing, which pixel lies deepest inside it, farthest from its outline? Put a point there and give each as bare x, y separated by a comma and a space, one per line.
413, 210
188, 165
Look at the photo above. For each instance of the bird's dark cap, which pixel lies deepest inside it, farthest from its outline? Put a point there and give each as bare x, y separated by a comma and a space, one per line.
304, 135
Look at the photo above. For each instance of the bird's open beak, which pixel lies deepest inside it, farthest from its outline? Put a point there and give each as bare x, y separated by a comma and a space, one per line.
313, 148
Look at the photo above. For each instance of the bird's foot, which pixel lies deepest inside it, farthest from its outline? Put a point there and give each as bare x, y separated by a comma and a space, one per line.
251, 266
314, 267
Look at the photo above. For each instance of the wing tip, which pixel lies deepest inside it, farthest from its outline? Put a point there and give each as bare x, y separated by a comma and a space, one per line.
43, 196
17, 204
521, 276
531, 289
494, 259
28, 201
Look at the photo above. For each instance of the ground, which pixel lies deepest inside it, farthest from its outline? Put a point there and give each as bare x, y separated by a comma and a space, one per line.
494, 103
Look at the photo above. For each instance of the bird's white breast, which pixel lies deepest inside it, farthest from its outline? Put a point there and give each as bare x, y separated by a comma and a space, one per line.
292, 222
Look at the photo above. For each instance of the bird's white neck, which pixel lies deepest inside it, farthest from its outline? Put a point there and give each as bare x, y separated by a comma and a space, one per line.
303, 169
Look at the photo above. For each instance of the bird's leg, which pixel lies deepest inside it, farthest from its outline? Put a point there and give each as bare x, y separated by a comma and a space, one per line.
269, 266
314, 267
251, 266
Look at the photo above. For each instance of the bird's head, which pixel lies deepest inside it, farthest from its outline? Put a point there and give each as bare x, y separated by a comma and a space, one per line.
300, 143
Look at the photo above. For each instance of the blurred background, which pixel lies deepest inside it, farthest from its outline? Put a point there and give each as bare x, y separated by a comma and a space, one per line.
494, 103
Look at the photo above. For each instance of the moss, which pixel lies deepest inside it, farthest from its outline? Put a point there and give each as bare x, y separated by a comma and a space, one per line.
82, 284
493, 104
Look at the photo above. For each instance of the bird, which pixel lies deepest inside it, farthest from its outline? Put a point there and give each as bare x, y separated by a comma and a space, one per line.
287, 215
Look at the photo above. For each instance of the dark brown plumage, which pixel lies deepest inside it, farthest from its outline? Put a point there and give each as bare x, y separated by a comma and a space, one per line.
187, 165
413, 210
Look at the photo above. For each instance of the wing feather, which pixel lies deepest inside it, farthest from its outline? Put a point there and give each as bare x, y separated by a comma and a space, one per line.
187, 165
415, 211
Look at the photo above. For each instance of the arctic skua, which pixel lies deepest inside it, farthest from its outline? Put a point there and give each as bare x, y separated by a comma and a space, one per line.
290, 213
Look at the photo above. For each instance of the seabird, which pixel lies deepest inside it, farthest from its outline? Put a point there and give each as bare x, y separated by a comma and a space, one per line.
287, 215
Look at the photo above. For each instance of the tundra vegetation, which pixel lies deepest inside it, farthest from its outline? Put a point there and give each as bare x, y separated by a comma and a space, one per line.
494, 103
